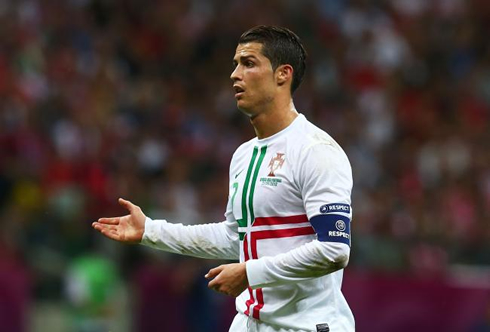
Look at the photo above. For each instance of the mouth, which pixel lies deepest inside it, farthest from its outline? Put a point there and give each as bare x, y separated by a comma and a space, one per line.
238, 90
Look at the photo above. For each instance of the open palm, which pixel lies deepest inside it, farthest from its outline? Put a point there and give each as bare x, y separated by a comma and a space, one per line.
128, 228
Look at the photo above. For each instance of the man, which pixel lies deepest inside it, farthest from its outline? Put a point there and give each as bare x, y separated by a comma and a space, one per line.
288, 213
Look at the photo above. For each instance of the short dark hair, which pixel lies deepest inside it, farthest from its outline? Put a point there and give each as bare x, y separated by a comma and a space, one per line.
281, 46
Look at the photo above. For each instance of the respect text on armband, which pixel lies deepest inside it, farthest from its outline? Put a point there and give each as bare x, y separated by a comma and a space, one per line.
335, 207
339, 234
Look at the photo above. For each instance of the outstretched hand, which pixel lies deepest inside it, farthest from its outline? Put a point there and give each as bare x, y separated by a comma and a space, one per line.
127, 229
229, 279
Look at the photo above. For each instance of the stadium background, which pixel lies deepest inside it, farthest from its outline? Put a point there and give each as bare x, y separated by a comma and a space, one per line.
104, 99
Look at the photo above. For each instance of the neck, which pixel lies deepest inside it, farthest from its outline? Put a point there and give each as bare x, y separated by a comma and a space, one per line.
269, 123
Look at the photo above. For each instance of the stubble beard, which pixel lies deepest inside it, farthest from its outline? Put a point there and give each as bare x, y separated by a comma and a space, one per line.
257, 108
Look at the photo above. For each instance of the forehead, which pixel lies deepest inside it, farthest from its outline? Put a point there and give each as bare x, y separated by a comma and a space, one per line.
248, 49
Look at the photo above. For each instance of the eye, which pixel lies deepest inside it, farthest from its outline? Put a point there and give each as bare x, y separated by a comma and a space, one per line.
249, 64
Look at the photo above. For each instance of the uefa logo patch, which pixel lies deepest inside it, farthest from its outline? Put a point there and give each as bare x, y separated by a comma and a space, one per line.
340, 225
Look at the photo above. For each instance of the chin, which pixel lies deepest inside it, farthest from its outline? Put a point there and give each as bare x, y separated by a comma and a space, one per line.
241, 105
244, 109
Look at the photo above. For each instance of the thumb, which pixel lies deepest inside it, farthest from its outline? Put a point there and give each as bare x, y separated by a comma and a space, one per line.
126, 204
214, 272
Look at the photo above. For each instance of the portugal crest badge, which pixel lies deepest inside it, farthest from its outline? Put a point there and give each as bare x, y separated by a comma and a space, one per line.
276, 163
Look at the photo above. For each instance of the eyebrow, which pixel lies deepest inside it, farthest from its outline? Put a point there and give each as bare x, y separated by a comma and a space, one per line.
243, 58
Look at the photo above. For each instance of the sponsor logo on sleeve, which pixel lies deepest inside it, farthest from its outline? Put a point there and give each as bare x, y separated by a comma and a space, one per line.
335, 207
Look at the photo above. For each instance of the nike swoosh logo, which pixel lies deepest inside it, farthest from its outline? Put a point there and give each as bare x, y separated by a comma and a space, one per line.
236, 175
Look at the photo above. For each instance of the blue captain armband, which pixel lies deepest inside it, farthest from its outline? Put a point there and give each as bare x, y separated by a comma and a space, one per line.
332, 228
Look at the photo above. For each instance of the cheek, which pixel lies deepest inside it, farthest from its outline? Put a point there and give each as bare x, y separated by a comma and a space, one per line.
253, 78
261, 83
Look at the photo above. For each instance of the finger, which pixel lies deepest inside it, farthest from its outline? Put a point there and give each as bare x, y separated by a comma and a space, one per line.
111, 234
126, 204
213, 284
214, 272
101, 227
109, 221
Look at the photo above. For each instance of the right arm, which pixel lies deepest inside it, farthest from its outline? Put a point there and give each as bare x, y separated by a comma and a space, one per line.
214, 241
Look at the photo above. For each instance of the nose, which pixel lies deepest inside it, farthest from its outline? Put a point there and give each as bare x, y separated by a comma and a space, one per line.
236, 74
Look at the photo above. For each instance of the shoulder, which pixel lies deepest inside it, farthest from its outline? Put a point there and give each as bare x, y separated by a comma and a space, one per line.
244, 148
310, 143
241, 155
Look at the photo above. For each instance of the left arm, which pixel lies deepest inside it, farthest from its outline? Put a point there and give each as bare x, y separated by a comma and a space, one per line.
311, 260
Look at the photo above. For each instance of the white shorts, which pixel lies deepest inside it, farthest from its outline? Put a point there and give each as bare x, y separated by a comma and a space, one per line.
243, 323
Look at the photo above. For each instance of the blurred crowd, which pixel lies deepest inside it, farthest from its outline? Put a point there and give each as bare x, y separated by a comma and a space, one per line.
101, 99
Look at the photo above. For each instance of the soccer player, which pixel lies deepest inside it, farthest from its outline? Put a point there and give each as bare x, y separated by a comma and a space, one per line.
288, 214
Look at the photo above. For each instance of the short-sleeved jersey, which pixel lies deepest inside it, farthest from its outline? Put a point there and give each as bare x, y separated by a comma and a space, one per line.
277, 185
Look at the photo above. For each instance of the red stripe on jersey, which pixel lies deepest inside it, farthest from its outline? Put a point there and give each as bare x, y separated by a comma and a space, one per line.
276, 234
251, 300
270, 234
260, 304
268, 221
245, 249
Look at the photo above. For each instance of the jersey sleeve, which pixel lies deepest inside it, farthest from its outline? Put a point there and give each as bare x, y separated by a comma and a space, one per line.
213, 241
324, 179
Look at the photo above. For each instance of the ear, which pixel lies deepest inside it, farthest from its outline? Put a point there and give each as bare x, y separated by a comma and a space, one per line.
284, 74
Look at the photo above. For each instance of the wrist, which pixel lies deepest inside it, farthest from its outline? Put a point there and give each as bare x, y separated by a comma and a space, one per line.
244, 272
151, 231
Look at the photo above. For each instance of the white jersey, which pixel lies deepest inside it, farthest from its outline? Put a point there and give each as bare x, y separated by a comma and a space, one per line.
288, 217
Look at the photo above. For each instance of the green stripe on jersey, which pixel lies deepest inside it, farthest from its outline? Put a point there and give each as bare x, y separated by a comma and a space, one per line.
245, 194
254, 180
243, 222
